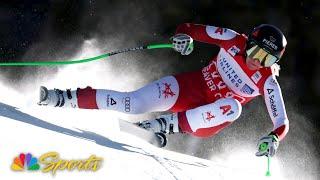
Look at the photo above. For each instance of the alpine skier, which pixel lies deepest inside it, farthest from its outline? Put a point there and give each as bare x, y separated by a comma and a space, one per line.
202, 102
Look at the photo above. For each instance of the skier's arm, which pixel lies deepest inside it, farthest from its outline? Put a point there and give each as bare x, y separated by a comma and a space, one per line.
206, 34
276, 108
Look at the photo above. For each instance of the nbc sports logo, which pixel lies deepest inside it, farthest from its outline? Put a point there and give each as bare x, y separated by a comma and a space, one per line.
25, 161
51, 162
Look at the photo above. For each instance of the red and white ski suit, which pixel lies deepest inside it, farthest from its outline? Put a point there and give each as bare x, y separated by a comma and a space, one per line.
206, 100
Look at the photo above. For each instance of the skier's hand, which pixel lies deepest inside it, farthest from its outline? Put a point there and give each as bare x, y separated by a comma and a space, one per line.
182, 43
268, 145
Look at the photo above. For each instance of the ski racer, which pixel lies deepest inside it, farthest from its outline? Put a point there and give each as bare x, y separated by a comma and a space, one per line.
205, 101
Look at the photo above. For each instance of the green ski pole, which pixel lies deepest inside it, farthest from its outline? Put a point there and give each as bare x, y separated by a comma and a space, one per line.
65, 62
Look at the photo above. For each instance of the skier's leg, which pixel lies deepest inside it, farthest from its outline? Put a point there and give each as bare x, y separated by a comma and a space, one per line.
208, 120
159, 95
203, 121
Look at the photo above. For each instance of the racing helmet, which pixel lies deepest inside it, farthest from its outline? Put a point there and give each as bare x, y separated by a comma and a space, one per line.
267, 44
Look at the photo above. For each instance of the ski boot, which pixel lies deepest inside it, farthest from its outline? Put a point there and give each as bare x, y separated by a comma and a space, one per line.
57, 98
50, 97
165, 124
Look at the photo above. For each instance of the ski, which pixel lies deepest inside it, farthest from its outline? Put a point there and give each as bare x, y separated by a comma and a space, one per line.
156, 139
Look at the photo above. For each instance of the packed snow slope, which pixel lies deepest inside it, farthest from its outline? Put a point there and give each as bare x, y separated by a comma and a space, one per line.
41, 130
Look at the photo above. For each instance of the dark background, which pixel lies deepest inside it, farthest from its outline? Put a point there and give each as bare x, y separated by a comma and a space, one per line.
43, 29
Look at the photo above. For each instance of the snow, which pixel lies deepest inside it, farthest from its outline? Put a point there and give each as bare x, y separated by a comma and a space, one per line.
39, 130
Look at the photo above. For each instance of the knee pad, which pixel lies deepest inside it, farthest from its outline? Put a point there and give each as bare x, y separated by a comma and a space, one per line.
225, 110
229, 107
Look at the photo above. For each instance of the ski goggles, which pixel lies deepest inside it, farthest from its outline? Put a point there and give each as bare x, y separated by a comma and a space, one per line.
265, 58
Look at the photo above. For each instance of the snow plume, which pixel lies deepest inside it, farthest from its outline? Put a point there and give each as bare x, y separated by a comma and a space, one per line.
91, 28
112, 25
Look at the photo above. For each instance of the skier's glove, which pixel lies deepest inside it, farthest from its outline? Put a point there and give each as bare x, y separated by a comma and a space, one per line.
268, 145
182, 43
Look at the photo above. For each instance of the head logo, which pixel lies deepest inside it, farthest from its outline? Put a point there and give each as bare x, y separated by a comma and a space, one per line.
270, 44
272, 39
25, 161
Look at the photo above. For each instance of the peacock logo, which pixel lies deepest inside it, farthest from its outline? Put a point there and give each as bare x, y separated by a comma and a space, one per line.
25, 161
